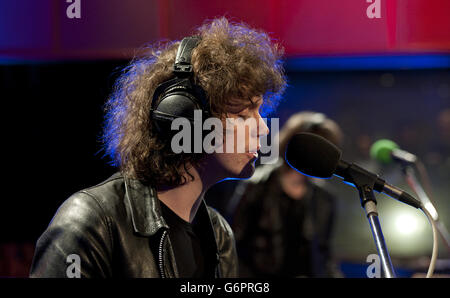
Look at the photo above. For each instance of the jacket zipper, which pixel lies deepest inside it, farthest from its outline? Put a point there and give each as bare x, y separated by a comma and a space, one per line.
160, 254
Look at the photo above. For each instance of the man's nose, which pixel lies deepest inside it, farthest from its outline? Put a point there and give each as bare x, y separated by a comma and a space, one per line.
263, 129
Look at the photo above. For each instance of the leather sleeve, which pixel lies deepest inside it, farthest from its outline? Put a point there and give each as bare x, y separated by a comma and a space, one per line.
79, 228
228, 261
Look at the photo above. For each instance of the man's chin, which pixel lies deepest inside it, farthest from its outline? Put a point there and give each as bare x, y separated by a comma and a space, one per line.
247, 171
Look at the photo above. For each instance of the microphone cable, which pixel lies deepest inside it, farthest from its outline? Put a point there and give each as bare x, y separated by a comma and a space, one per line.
432, 221
435, 242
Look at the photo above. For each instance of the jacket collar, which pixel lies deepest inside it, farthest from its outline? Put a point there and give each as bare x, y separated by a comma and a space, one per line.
146, 211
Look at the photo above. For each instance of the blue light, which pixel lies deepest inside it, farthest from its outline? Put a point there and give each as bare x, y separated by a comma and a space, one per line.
369, 62
285, 158
233, 179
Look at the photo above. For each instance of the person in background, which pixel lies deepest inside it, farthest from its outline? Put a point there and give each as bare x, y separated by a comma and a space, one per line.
283, 220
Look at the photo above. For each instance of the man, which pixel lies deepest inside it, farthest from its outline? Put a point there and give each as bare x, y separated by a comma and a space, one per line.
150, 219
283, 220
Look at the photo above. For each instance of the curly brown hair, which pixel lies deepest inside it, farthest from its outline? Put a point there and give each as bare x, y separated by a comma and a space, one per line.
231, 62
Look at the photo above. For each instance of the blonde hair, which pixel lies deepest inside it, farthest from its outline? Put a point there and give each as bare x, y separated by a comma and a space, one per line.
312, 122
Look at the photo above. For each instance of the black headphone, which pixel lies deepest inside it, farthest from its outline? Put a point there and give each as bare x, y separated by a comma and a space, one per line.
180, 96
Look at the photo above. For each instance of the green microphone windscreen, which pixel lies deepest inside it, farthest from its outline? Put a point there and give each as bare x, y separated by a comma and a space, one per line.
381, 150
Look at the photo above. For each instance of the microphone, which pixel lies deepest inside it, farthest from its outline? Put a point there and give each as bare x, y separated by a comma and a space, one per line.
315, 156
385, 151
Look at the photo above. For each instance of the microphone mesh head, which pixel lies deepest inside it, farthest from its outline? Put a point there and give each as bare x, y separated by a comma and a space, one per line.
312, 155
381, 150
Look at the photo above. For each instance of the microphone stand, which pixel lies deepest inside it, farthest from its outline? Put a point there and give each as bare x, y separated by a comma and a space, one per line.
369, 204
365, 186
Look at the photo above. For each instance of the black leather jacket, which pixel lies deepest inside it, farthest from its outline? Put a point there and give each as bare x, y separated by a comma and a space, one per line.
117, 230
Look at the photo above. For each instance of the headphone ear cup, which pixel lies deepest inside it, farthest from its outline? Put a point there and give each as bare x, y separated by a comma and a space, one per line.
177, 104
178, 100
180, 104
171, 107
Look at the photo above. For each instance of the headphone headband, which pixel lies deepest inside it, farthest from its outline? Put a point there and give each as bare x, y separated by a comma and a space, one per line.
182, 65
